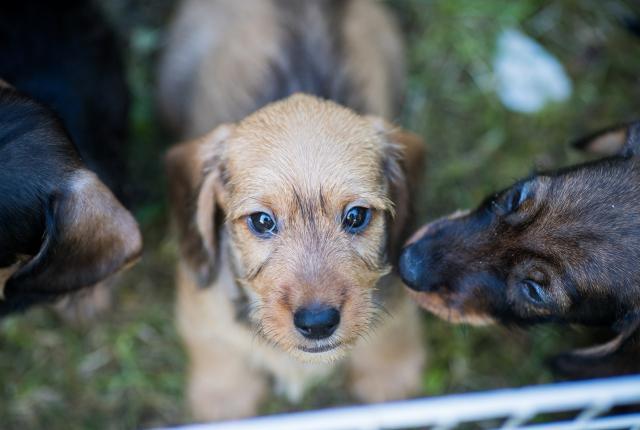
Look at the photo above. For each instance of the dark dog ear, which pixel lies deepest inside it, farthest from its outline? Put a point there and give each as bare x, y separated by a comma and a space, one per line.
195, 190
89, 236
403, 165
621, 140
616, 357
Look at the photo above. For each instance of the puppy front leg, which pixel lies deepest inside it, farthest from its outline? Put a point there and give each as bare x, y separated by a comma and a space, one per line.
389, 364
221, 383
85, 306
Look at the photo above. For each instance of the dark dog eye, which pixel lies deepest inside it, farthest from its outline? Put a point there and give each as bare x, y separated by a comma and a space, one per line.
262, 224
356, 219
534, 291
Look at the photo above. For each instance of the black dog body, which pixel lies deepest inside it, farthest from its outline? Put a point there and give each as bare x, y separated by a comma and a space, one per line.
64, 55
61, 229
63, 102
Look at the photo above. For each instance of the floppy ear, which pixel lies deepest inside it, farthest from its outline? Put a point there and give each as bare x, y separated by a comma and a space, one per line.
616, 357
195, 190
403, 165
621, 140
88, 236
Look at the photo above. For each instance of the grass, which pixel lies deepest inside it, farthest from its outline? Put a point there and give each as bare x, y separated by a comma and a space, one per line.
126, 370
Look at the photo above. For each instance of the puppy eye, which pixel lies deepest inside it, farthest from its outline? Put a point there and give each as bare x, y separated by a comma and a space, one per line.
262, 224
356, 219
534, 292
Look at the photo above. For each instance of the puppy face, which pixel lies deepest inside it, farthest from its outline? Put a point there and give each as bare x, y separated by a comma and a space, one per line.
555, 247
308, 191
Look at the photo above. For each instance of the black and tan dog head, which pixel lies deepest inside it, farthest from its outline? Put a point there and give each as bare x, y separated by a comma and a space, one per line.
61, 229
308, 199
561, 247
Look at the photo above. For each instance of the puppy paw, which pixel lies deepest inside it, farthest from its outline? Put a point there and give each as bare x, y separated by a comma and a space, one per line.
85, 306
229, 397
389, 365
617, 357
389, 378
577, 366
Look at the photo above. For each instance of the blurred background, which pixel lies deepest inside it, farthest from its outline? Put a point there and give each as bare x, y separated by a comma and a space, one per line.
487, 120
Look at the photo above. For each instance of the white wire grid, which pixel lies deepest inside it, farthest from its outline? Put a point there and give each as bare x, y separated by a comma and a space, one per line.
606, 404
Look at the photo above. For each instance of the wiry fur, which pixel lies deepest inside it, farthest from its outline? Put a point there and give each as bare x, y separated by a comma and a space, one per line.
226, 58
304, 160
561, 246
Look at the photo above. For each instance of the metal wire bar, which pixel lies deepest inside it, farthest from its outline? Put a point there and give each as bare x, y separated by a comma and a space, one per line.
516, 406
631, 421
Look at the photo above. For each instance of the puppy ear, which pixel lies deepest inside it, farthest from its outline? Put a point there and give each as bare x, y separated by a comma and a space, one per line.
89, 236
621, 140
195, 189
619, 356
403, 165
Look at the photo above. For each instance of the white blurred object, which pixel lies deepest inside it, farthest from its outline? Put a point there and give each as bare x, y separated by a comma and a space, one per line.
527, 76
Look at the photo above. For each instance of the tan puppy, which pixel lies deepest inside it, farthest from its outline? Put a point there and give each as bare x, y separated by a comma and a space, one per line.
289, 218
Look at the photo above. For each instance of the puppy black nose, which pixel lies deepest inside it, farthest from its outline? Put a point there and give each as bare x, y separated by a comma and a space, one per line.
411, 267
316, 321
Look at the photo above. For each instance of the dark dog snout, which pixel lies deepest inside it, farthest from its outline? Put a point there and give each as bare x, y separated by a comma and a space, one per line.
411, 266
420, 265
422, 261
316, 321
